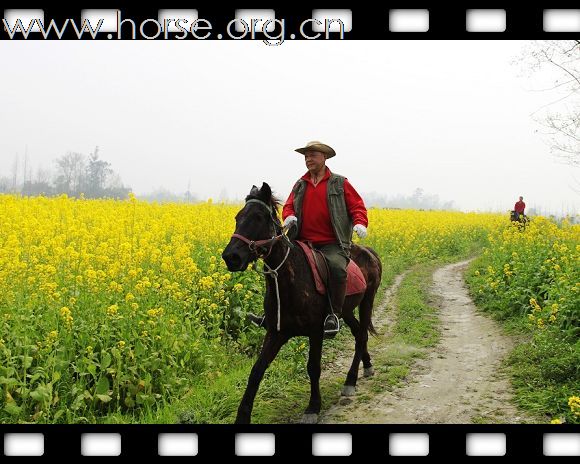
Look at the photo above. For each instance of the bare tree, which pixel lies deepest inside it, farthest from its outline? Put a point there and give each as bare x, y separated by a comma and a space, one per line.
41, 185
97, 173
561, 117
79, 176
70, 168
14, 173
25, 166
42, 175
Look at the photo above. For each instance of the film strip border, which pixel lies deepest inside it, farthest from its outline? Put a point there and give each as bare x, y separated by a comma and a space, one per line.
291, 440
295, 23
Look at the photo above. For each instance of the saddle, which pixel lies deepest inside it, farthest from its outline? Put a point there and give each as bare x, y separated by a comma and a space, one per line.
355, 280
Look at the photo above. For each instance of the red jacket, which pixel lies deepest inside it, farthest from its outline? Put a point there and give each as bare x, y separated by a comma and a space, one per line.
519, 207
316, 225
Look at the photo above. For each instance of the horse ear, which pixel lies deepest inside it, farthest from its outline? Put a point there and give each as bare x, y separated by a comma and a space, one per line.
254, 190
266, 192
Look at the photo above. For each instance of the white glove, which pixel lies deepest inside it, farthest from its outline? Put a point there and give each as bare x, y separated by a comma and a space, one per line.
290, 220
360, 230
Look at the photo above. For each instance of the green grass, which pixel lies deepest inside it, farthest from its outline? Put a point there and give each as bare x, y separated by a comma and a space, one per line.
544, 367
545, 373
415, 330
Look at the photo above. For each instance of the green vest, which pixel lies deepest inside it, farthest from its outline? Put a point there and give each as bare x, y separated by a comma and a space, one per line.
339, 216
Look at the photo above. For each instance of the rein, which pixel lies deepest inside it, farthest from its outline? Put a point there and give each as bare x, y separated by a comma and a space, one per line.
253, 245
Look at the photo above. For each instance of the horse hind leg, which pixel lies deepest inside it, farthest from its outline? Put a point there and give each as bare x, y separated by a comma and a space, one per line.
365, 314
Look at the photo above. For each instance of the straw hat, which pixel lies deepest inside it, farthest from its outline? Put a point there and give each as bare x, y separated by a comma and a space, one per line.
317, 146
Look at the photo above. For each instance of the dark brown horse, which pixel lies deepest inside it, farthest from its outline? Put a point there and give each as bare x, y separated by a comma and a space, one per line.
292, 305
520, 218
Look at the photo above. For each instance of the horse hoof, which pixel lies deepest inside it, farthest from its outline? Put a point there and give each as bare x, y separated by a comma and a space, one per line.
347, 390
309, 418
369, 371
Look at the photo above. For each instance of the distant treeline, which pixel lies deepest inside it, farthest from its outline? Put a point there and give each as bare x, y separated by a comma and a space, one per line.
74, 174
417, 200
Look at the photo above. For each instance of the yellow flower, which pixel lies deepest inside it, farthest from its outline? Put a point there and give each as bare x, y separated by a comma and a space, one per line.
535, 306
155, 312
66, 316
112, 310
574, 403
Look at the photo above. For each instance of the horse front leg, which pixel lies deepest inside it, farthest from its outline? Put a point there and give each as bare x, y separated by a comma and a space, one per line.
314, 359
349, 386
272, 344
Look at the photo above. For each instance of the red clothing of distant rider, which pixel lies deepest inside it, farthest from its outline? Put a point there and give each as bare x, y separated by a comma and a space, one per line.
519, 207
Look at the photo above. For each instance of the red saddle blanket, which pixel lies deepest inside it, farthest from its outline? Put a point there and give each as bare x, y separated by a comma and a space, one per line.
355, 280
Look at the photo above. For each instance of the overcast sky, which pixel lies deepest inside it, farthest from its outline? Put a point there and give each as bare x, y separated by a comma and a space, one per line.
450, 117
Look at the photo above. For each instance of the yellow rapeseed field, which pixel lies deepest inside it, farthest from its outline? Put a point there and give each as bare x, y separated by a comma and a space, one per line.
113, 306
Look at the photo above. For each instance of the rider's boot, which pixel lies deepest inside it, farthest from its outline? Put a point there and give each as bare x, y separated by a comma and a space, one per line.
337, 296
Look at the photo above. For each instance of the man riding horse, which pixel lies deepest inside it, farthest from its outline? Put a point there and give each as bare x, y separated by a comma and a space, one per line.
519, 209
324, 206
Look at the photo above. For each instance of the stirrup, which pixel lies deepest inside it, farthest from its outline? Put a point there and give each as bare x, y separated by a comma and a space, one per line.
256, 320
331, 326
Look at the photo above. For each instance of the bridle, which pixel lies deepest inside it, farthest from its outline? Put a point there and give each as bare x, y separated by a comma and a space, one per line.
254, 245
268, 243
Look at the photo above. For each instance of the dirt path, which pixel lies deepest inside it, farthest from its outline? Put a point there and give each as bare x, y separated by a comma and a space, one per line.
383, 321
460, 381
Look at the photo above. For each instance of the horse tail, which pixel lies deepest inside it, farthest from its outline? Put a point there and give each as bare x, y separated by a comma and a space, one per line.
366, 311
366, 305
371, 329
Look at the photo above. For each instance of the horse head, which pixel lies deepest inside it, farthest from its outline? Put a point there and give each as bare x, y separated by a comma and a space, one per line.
256, 223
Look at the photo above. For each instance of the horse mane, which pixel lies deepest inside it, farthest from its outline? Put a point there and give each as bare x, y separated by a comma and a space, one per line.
275, 203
